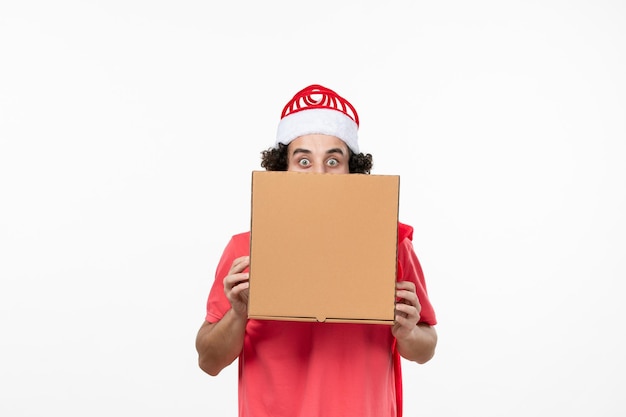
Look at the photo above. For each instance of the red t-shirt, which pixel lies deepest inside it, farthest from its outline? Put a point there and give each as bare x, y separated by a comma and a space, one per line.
308, 369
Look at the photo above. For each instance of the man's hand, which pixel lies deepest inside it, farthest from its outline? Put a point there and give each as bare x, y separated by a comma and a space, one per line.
407, 310
236, 286
416, 341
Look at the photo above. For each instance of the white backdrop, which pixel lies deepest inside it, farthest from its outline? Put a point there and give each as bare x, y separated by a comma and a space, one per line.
128, 131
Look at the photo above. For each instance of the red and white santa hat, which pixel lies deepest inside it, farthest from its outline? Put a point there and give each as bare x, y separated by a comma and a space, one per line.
319, 110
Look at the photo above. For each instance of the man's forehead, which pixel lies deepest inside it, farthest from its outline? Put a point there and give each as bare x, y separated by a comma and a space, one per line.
318, 142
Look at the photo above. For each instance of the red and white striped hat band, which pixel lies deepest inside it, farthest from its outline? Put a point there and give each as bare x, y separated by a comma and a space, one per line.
319, 110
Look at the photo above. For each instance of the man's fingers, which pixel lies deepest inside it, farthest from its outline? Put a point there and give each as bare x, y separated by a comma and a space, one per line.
239, 265
239, 287
234, 280
405, 285
407, 297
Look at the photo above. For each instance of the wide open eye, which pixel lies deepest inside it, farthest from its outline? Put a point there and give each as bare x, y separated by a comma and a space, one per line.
332, 162
304, 162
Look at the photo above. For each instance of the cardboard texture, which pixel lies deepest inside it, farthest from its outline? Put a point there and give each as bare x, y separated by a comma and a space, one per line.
323, 247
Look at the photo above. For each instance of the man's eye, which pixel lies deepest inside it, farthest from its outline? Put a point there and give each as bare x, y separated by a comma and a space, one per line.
304, 162
332, 162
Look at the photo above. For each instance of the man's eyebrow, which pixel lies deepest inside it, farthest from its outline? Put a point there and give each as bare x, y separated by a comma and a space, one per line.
328, 152
300, 150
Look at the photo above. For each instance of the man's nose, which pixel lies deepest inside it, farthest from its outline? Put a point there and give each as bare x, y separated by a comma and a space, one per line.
319, 168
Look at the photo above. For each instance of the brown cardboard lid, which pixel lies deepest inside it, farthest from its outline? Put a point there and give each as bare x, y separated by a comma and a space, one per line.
323, 246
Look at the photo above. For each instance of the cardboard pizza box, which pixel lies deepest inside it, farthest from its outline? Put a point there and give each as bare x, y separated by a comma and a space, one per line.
323, 247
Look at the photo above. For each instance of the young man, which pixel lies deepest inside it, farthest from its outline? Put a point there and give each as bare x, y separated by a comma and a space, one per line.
305, 369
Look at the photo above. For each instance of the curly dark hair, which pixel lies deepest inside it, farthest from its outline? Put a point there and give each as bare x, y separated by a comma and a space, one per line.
276, 159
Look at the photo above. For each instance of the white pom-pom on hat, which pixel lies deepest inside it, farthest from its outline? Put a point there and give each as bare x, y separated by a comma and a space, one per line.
319, 110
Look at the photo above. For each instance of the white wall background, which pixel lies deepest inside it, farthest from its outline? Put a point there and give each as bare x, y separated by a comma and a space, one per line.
128, 131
